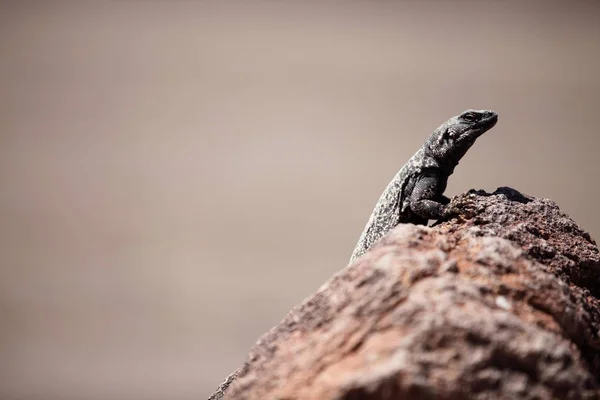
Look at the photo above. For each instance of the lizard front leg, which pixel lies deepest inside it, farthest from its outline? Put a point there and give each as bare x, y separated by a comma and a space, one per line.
426, 200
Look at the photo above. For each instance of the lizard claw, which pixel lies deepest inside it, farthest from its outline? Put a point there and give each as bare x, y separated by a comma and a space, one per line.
449, 211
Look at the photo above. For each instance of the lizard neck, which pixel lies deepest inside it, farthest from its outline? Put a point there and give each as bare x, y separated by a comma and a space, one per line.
445, 165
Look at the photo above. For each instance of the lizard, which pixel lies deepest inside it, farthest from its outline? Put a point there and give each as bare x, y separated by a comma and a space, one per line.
416, 193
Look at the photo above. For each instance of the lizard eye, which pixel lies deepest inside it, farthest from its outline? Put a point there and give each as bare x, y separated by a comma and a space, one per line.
470, 117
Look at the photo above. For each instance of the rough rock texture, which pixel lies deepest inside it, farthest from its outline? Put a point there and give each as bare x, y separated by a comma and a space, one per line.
499, 302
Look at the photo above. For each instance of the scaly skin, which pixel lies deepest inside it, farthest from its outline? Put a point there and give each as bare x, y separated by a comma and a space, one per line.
415, 195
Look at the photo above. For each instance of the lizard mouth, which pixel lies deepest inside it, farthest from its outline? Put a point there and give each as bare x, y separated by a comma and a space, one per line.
491, 120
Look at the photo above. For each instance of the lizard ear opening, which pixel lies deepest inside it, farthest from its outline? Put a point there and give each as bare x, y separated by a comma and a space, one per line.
445, 134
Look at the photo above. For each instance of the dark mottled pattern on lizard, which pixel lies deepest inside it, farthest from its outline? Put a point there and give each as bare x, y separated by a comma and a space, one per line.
415, 195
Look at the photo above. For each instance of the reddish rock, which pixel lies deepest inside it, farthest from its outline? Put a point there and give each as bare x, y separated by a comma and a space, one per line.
499, 302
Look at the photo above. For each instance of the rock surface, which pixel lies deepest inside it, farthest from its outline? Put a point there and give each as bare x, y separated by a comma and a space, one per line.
499, 302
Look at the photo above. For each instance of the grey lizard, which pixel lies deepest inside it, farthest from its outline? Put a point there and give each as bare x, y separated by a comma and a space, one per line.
415, 194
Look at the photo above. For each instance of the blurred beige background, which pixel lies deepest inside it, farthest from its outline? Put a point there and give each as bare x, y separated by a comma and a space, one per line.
177, 175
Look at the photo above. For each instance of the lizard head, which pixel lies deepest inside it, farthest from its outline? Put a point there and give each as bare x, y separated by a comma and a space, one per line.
453, 138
